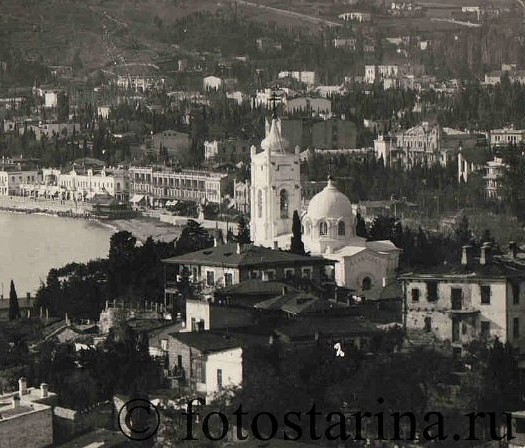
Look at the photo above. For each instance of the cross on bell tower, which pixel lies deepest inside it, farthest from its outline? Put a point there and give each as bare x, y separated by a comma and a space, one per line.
274, 99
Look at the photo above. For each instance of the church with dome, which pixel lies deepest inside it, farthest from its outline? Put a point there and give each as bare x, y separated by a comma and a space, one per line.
328, 224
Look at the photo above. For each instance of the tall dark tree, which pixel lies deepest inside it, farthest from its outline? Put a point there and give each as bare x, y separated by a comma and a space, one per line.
14, 308
297, 245
463, 233
360, 227
243, 231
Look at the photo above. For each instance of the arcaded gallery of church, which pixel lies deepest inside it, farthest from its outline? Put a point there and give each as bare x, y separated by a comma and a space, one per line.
328, 224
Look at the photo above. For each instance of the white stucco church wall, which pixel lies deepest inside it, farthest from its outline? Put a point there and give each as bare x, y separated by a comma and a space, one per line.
328, 224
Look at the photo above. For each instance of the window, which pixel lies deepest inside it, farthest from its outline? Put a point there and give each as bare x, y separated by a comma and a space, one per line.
516, 293
288, 274
341, 229
284, 204
323, 228
307, 273
164, 344
432, 291
270, 274
415, 295
259, 203
516, 327
254, 275
219, 378
520, 425
179, 361
193, 324
366, 284
485, 294
456, 296
485, 329
210, 278
228, 279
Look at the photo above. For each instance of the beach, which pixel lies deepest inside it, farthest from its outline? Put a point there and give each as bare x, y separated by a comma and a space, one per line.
144, 227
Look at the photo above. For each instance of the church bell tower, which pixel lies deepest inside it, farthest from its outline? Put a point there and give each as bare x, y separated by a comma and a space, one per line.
275, 188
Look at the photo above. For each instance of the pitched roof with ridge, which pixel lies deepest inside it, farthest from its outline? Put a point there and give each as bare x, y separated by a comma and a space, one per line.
207, 341
227, 255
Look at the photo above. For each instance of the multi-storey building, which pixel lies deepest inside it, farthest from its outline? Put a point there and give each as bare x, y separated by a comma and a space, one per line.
507, 136
241, 196
424, 144
88, 183
494, 171
13, 179
380, 72
232, 150
167, 184
480, 299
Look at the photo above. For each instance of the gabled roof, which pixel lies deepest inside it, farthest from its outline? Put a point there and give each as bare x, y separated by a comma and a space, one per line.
500, 268
256, 287
297, 303
207, 341
328, 327
228, 255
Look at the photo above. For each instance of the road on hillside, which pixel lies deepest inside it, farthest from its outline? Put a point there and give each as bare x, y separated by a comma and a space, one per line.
285, 12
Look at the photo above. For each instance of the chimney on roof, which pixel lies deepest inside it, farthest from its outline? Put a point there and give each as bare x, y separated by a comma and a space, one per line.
239, 248
44, 390
513, 248
466, 255
15, 401
22, 386
486, 254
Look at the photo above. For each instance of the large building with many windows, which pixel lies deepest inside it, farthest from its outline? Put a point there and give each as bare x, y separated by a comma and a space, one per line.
162, 184
481, 299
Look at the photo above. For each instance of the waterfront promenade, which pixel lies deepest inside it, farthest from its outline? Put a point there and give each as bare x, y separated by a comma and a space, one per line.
51, 206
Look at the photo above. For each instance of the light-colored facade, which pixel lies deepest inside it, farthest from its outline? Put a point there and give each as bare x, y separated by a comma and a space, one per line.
189, 185
506, 136
227, 151
139, 83
307, 77
27, 417
329, 230
172, 142
204, 363
482, 299
212, 83
494, 171
360, 17
241, 196
13, 181
375, 73
275, 189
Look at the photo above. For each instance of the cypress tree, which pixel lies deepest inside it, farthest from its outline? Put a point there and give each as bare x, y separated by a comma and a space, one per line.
297, 246
14, 308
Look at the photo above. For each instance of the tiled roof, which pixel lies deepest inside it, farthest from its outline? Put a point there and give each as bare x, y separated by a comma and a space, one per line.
256, 287
207, 341
328, 326
250, 255
297, 303
501, 267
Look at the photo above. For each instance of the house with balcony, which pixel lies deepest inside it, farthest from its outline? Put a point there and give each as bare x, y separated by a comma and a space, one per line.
204, 363
480, 299
229, 264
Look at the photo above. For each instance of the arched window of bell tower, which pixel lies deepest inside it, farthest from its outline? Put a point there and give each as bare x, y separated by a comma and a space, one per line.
284, 204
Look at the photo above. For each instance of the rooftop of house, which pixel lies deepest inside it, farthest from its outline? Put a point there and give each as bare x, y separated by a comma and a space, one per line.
477, 155
233, 255
327, 326
296, 303
207, 341
99, 438
255, 287
7, 411
391, 291
500, 267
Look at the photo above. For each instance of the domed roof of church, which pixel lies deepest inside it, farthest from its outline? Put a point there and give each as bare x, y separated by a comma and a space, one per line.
274, 141
329, 203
